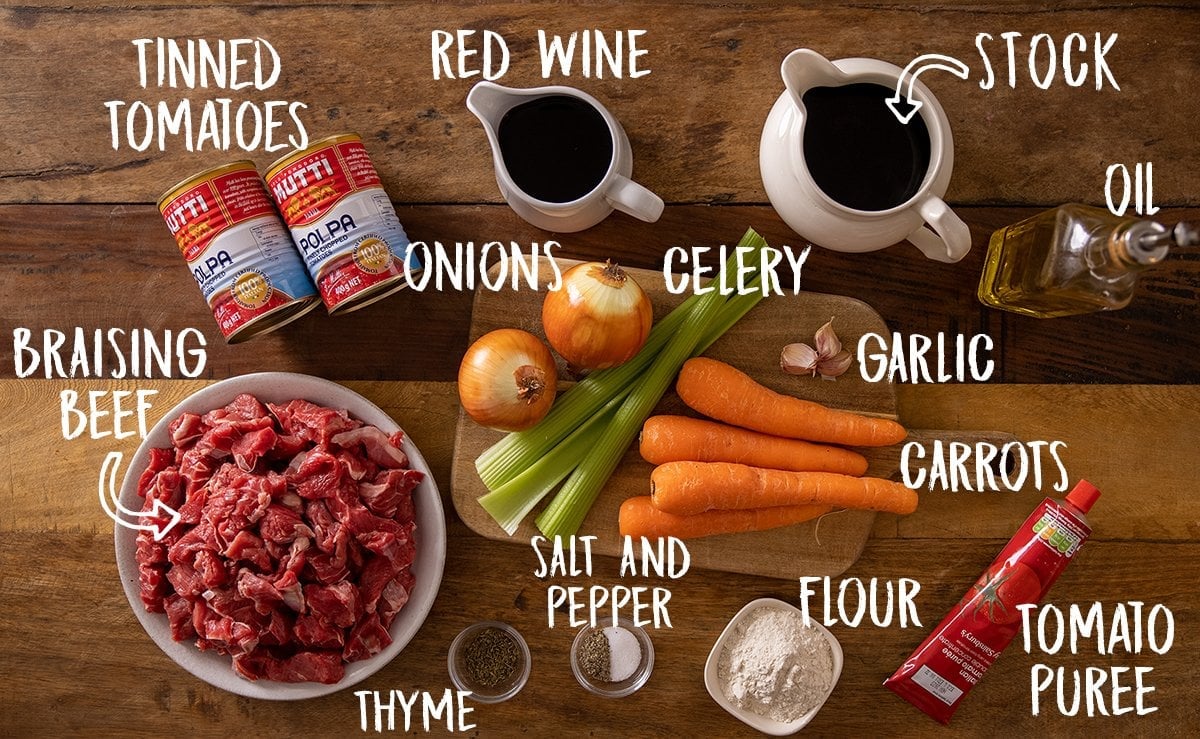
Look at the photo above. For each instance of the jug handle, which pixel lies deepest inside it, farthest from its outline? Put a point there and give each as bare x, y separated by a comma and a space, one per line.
950, 238
629, 197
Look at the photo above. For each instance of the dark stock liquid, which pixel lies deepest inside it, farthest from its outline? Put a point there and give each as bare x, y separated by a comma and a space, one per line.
556, 148
858, 153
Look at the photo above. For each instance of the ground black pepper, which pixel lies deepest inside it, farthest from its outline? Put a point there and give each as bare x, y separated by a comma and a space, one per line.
491, 658
595, 657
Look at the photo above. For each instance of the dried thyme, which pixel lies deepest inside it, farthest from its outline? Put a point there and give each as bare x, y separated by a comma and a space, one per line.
491, 658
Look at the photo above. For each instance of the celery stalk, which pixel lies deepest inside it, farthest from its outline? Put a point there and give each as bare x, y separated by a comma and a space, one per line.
509, 503
570, 506
507, 458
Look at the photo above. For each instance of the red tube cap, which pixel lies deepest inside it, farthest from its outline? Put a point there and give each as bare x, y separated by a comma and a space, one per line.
1083, 496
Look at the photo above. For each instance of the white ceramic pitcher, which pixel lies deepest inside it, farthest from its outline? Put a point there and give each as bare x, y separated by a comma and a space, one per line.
924, 219
489, 102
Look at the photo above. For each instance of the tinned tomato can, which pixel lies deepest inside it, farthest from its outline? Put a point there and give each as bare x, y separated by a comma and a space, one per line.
239, 251
343, 222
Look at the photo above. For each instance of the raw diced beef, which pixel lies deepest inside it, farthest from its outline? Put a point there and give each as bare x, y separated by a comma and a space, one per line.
305, 666
367, 639
294, 549
376, 444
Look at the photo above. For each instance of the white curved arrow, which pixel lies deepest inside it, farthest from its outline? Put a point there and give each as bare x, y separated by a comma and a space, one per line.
914, 68
109, 500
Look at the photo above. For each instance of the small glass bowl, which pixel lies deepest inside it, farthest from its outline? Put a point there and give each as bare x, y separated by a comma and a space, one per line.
624, 687
461, 676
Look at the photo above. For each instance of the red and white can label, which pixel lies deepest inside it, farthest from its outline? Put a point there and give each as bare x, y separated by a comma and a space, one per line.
341, 219
238, 250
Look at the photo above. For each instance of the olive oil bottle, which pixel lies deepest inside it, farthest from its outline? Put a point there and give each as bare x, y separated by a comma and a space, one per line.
1073, 259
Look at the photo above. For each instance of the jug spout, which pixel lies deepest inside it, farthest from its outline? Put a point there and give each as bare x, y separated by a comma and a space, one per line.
805, 69
489, 102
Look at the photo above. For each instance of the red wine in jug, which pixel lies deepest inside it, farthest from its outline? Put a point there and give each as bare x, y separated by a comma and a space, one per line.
556, 148
858, 152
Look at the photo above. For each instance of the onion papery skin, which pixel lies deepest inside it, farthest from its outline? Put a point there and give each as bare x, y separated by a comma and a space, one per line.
598, 318
507, 380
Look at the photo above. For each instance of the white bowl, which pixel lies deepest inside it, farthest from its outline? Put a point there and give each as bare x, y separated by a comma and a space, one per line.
280, 387
762, 723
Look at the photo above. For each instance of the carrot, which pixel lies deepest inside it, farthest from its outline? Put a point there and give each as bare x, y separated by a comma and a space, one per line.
694, 487
722, 392
680, 439
639, 517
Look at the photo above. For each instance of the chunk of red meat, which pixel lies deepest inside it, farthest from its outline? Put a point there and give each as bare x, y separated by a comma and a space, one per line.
319, 475
376, 444
185, 430
336, 604
152, 586
160, 459
355, 465
249, 548
286, 446
322, 523
258, 589
330, 567
391, 600
179, 616
312, 422
375, 575
166, 485
291, 591
238, 499
279, 629
149, 551
251, 446
367, 638
186, 581
194, 540
245, 440
388, 492
308, 666
211, 568
197, 469
244, 407
282, 525
296, 557
312, 631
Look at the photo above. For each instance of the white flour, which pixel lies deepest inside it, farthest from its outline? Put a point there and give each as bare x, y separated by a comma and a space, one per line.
775, 666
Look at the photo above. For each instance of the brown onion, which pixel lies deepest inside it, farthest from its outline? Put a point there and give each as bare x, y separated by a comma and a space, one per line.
598, 318
507, 380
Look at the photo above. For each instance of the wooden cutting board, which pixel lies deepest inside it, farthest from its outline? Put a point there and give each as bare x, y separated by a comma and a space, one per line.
827, 547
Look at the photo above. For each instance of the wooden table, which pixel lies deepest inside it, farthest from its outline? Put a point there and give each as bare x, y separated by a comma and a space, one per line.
84, 246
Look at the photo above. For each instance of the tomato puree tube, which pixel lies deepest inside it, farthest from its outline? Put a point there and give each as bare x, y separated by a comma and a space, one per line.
953, 658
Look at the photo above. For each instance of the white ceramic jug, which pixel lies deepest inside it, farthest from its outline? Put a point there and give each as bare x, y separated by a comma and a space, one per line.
923, 219
489, 102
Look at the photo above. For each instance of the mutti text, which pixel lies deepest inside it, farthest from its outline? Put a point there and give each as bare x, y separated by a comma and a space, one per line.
300, 177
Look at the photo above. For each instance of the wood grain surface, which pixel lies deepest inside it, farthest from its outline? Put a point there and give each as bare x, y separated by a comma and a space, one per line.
102, 266
82, 245
716, 63
56, 558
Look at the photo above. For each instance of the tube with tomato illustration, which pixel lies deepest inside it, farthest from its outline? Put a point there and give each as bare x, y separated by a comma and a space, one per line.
953, 658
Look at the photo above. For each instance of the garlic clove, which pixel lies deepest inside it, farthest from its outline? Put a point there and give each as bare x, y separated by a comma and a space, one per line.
799, 359
828, 343
835, 366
